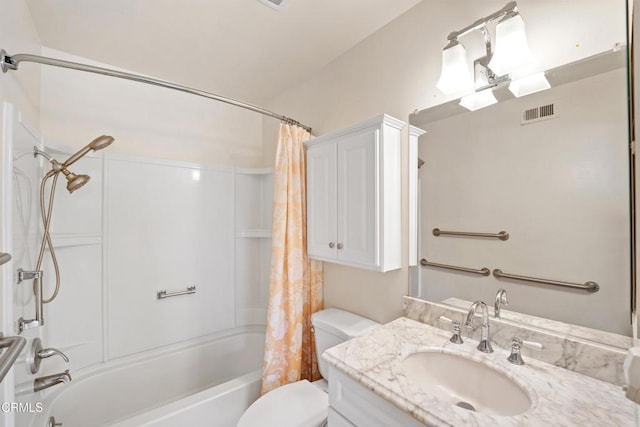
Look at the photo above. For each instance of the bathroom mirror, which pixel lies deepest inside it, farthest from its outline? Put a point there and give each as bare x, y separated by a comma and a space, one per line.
551, 169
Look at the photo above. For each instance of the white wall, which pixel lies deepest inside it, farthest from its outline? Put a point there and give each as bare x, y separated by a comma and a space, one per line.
395, 71
145, 120
18, 35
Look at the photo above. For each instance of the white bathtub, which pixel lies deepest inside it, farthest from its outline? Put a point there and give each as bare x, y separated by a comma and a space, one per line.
208, 383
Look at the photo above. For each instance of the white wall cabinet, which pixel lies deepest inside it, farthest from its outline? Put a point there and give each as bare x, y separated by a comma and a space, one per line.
354, 195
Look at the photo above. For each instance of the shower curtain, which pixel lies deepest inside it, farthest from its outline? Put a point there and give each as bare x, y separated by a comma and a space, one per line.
295, 284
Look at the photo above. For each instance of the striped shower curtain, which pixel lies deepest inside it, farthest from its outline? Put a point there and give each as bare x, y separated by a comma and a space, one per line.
295, 284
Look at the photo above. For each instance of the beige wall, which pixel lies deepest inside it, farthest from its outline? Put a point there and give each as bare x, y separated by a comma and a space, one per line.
146, 120
395, 71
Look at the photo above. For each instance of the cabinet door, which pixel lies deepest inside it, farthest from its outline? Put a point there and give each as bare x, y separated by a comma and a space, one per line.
358, 198
321, 201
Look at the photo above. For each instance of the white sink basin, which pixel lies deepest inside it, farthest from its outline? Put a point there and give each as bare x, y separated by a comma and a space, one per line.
465, 383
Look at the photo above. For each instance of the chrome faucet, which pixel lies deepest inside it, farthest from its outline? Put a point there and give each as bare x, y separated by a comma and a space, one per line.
501, 299
485, 341
43, 383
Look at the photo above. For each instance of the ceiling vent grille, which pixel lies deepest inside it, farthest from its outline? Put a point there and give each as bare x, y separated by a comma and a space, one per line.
276, 4
533, 115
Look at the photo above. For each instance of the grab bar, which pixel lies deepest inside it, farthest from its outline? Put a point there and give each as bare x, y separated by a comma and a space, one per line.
484, 271
503, 235
4, 258
164, 294
14, 346
587, 286
36, 276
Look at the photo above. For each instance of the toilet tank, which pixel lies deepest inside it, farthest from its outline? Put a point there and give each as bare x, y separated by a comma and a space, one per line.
333, 326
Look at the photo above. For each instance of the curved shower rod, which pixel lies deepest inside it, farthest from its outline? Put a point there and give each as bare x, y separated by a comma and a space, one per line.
11, 62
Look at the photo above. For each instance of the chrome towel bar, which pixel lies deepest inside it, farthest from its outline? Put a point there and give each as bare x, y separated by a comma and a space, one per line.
587, 286
502, 235
13, 346
483, 271
164, 294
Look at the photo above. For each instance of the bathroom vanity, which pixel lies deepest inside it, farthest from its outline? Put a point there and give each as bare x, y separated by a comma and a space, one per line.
408, 373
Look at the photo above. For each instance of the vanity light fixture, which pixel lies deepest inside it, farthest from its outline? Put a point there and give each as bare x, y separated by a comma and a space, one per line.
512, 50
456, 75
529, 84
511, 54
478, 100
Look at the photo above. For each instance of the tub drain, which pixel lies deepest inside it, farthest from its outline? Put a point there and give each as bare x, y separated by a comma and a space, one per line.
466, 405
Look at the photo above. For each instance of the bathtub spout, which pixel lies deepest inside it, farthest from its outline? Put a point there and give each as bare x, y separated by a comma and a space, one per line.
43, 383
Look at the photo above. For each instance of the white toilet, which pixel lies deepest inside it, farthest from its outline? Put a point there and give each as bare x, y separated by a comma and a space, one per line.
305, 404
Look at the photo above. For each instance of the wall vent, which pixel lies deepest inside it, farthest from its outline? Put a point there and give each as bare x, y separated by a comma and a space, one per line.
533, 115
276, 4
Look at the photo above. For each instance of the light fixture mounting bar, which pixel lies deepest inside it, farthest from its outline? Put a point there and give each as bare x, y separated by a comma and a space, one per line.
482, 22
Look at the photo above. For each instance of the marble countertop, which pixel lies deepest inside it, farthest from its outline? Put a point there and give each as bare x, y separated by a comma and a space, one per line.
559, 397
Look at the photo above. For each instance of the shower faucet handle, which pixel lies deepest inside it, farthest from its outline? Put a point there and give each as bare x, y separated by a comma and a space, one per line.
48, 352
36, 353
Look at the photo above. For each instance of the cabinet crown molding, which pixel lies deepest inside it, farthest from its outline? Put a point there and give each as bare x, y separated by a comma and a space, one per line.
383, 119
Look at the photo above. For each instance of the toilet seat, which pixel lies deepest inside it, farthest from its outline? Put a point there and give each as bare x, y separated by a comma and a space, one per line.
299, 404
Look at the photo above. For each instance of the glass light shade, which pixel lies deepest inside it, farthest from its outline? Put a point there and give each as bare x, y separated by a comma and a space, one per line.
512, 50
456, 75
530, 84
478, 100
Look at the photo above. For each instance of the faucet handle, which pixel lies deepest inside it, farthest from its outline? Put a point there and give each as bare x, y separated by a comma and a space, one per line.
48, 352
36, 353
445, 319
515, 357
530, 344
456, 338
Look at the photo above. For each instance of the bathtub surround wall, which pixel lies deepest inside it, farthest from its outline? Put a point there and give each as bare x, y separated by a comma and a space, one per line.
395, 71
183, 233
18, 33
168, 227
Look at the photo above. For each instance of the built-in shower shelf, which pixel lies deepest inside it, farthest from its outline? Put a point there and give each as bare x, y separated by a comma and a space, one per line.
260, 233
69, 240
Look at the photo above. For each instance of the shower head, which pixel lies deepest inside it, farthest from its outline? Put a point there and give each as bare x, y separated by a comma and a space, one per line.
75, 181
99, 143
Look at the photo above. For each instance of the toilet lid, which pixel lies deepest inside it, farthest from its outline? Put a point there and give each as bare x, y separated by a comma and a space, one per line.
298, 404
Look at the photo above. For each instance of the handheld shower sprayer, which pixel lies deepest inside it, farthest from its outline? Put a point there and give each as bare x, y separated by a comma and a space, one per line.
73, 183
97, 144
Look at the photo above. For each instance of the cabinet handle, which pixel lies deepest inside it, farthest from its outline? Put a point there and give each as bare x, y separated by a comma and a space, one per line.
331, 245
339, 245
